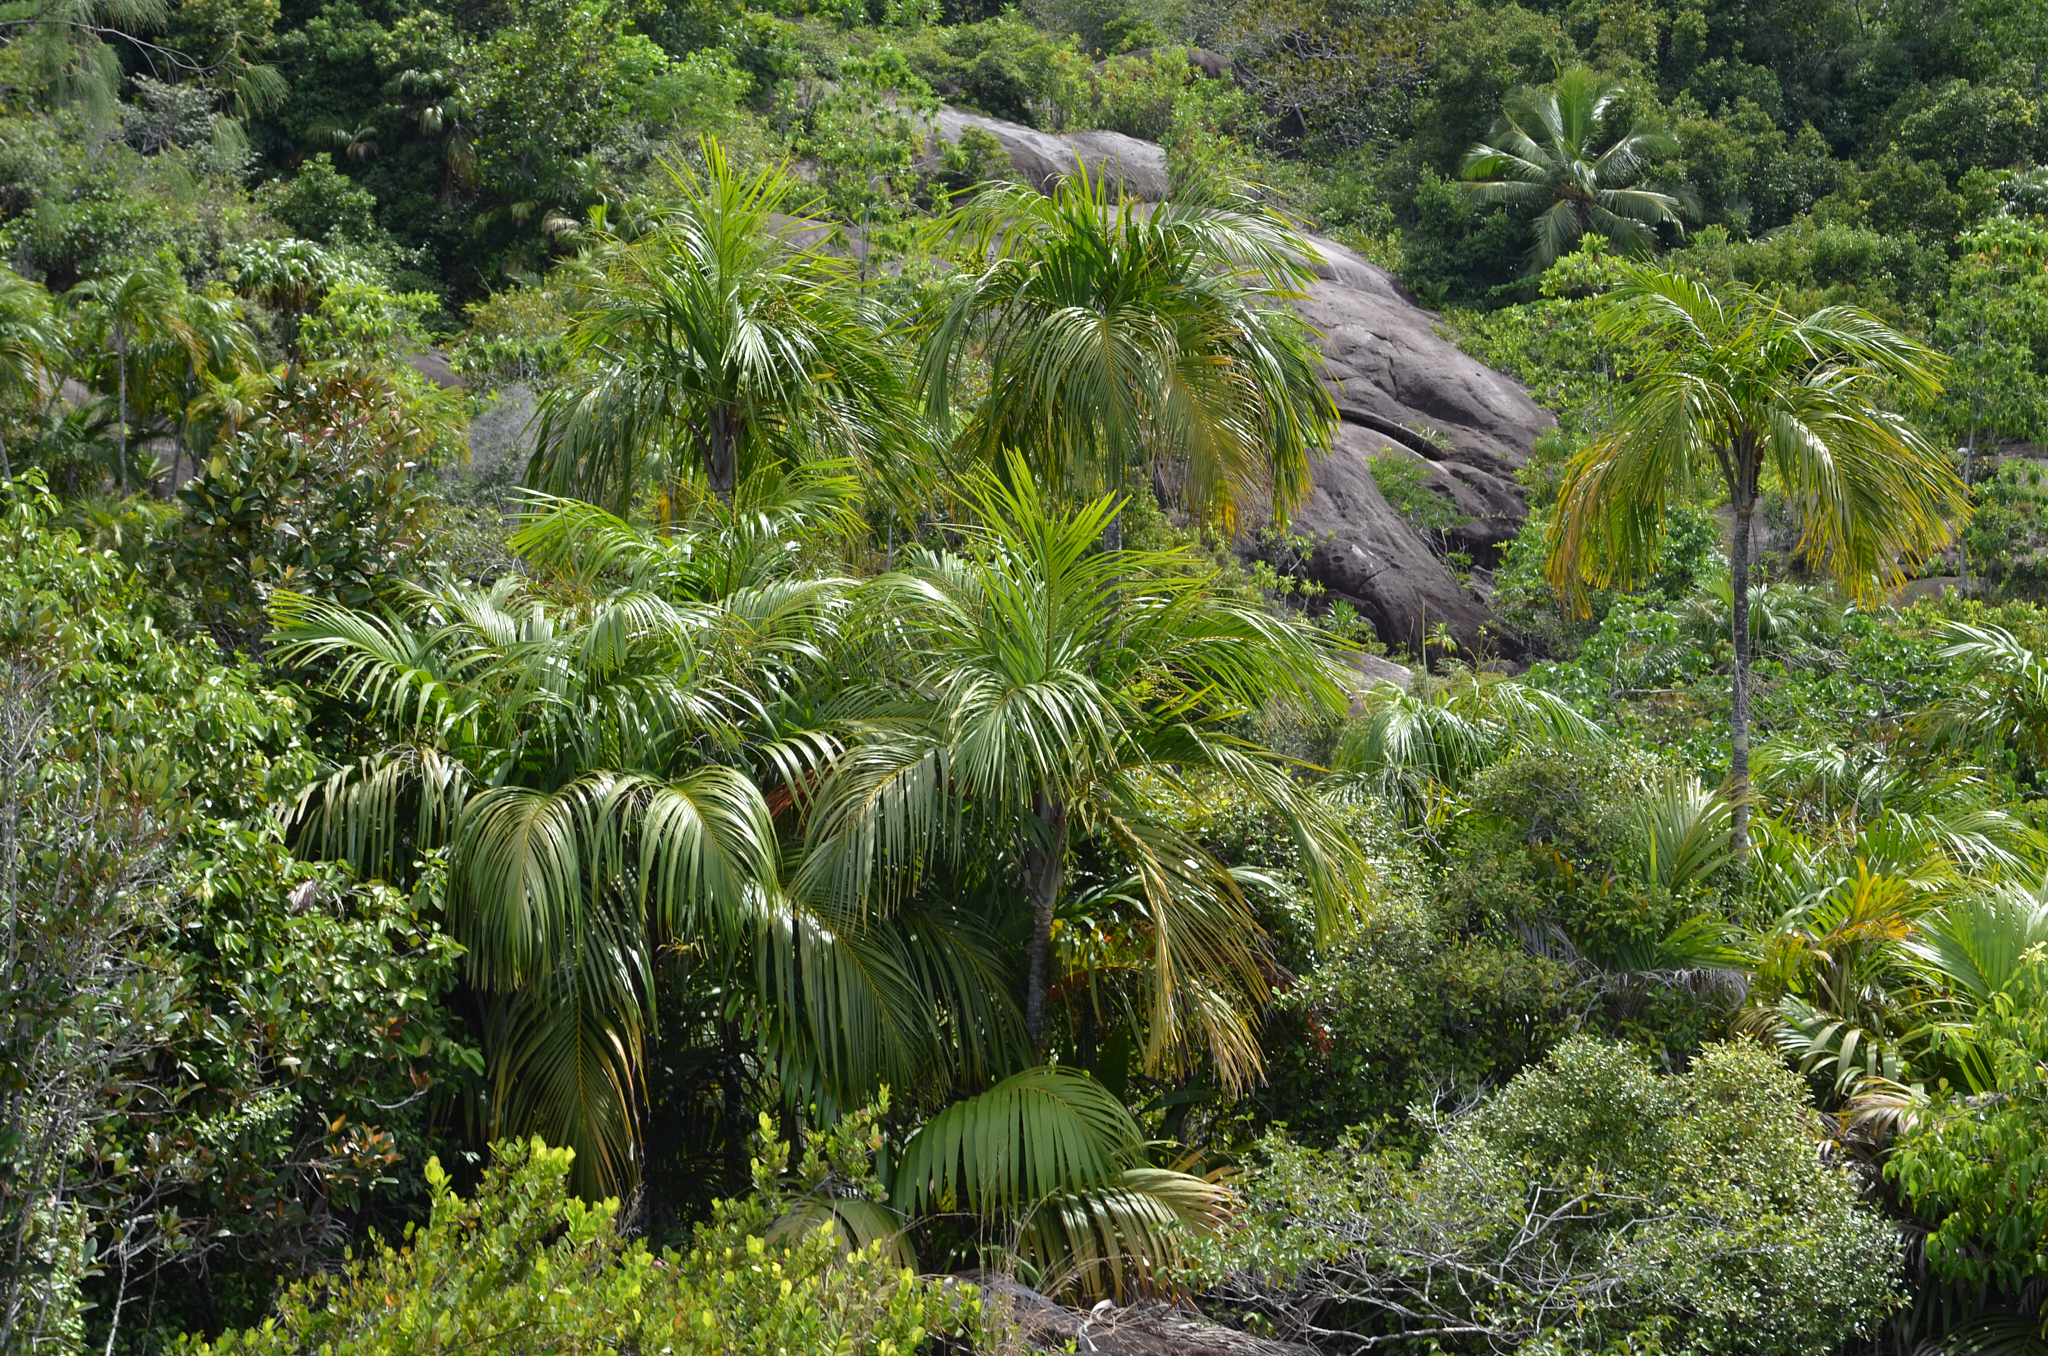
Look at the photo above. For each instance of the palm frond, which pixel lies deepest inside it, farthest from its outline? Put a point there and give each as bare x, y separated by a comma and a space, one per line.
1037, 1134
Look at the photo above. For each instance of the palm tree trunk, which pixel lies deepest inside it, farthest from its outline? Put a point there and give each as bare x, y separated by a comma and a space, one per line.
1969, 457
184, 431
1044, 873
6, 466
121, 380
720, 457
1738, 719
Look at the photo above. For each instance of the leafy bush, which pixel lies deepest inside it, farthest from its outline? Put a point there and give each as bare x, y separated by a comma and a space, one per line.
1974, 1164
1403, 480
322, 494
1409, 1007
1591, 1205
523, 1267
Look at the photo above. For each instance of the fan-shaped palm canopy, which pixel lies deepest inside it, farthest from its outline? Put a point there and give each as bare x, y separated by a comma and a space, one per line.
714, 338
1560, 156
1125, 336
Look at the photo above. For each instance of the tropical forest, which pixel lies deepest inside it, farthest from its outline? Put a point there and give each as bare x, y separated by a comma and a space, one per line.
902, 677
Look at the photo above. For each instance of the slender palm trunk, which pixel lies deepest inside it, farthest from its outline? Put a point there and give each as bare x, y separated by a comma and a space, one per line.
1969, 458
1738, 719
6, 466
720, 457
184, 431
1044, 873
121, 380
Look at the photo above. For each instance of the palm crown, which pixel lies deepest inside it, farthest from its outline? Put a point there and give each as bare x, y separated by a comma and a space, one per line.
30, 344
714, 337
1557, 156
1124, 336
1724, 391
1045, 692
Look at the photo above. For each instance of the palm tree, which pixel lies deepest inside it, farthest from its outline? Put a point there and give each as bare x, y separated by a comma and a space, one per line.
2003, 703
1037, 693
31, 346
714, 336
292, 276
1123, 336
590, 748
1559, 156
143, 305
220, 347
1417, 749
1730, 387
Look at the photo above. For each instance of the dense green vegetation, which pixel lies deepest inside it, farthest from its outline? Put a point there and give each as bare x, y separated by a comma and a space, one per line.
628, 720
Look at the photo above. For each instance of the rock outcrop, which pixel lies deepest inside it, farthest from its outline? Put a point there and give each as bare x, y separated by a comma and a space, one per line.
1397, 382
1039, 158
1400, 384
1145, 1328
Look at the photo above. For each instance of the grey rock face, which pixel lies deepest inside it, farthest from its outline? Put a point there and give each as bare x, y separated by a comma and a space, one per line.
1365, 554
1397, 382
1041, 157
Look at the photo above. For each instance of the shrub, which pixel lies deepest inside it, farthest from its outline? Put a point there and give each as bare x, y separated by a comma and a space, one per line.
1591, 1205
1404, 1009
524, 1267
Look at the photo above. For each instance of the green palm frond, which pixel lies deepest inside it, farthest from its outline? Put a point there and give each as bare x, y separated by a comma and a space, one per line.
1804, 398
1975, 944
1111, 1240
1836, 1048
1415, 748
852, 1006
1121, 337
2004, 702
1546, 156
1037, 1134
1682, 833
711, 336
590, 768
382, 812
564, 1054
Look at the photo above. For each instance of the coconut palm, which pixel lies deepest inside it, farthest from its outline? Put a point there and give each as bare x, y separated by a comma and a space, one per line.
31, 347
1729, 388
1035, 693
1562, 157
1122, 336
714, 336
